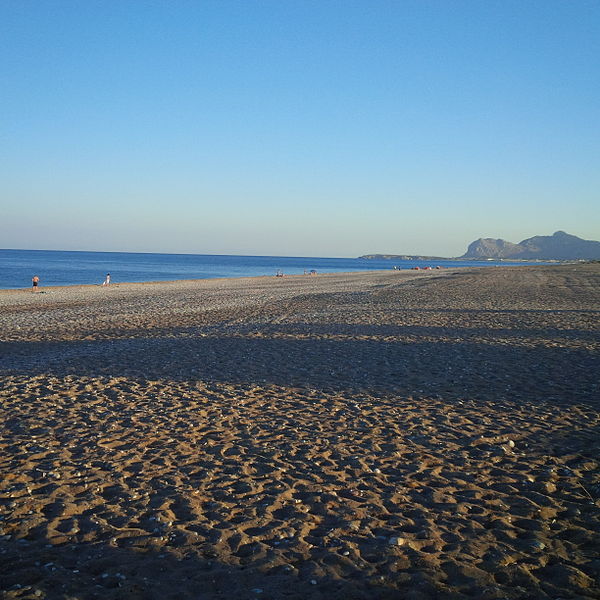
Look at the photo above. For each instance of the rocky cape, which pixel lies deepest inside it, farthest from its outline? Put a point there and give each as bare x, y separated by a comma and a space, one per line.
558, 246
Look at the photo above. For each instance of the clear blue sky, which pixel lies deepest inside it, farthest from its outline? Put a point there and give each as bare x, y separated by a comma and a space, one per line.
314, 128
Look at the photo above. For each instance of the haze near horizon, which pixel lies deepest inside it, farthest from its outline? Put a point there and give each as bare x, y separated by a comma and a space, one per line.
297, 128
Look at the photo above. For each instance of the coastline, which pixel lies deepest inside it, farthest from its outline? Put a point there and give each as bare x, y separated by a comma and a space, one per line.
208, 281
73, 268
421, 272
175, 281
370, 435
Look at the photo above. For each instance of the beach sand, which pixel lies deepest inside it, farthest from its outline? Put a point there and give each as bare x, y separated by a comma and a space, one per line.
385, 435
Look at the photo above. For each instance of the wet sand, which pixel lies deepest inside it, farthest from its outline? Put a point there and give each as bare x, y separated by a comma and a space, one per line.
383, 435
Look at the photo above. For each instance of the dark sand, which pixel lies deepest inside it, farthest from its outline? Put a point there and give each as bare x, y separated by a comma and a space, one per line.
400, 435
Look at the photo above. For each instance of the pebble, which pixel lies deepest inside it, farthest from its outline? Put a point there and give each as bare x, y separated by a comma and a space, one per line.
397, 541
537, 546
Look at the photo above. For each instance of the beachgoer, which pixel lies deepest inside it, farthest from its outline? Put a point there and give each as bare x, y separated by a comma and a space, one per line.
34, 283
107, 280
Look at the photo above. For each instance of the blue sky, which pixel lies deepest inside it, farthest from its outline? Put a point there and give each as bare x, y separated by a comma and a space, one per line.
313, 128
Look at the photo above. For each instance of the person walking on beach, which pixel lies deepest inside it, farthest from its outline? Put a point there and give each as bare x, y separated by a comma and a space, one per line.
34, 283
107, 280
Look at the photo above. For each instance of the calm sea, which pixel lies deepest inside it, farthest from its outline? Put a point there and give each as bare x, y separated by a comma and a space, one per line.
17, 267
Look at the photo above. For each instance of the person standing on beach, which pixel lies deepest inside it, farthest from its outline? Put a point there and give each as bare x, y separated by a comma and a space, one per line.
107, 280
34, 283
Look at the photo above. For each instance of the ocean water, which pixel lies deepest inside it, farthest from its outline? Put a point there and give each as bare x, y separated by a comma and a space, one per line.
54, 267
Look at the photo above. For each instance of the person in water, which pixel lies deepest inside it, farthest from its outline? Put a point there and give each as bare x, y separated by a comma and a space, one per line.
107, 280
35, 280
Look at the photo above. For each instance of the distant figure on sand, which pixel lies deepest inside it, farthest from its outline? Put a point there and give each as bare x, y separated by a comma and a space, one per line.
34, 283
107, 280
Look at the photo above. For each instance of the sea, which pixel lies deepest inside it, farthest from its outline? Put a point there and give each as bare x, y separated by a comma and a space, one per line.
59, 268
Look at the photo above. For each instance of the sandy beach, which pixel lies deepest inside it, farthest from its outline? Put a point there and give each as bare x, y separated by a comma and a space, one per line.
382, 435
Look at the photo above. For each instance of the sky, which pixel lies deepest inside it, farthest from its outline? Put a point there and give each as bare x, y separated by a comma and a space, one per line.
297, 128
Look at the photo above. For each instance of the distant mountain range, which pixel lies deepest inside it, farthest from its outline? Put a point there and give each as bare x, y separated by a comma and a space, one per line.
558, 246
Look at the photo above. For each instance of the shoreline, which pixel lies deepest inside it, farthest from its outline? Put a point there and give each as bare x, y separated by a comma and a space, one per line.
421, 272
126, 284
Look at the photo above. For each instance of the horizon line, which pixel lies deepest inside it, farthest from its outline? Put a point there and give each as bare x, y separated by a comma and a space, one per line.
187, 253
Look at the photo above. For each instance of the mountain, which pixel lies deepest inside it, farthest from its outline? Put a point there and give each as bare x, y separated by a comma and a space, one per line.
559, 246
491, 248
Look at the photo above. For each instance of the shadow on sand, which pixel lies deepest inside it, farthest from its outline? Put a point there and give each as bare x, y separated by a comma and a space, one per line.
311, 356
103, 570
